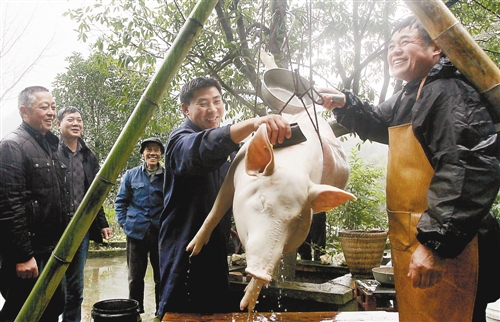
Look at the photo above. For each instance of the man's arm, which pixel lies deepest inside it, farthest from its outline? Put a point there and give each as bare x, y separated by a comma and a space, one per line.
101, 220
195, 153
13, 221
459, 138
366, 120
122, 200
277, 128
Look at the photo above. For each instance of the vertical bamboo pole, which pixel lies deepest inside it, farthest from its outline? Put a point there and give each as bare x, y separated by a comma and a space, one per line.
62, 256
460, 48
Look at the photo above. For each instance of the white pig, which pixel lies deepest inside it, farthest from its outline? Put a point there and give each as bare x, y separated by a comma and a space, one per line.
274, 193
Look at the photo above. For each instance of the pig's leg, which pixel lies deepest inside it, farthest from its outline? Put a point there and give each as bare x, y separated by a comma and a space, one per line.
252, 292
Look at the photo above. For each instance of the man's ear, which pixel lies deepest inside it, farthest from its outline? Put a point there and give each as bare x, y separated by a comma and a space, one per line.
436, 49
185, 109
58, 124
23, 110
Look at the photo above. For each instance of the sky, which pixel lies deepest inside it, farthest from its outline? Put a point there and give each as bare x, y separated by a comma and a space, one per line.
26, 28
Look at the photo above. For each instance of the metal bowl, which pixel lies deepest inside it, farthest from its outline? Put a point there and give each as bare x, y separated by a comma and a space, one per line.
278, 88
384, 274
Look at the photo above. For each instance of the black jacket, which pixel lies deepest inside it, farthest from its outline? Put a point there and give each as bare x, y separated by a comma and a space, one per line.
90, 167
32, 207
456, 132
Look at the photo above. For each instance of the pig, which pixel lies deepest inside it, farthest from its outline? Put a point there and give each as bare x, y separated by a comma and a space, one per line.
274, 193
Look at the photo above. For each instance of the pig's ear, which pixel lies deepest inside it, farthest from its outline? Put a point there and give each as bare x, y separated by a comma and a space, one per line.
260, 155
324, 197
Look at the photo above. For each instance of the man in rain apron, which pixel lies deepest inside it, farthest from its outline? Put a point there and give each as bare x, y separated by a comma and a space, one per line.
442, 178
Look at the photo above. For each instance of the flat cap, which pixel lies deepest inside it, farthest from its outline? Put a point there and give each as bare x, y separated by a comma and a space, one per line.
152, 140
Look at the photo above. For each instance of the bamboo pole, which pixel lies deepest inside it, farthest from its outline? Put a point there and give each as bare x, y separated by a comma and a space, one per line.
458, 45
72, 237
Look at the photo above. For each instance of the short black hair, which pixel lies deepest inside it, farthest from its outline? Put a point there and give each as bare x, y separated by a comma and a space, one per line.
66, 110
187, 91
413, 22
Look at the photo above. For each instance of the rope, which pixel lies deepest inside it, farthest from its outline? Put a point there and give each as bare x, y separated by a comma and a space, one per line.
258, 60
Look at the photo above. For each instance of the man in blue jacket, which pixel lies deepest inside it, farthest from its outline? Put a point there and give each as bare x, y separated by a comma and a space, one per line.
138, 208
197, 159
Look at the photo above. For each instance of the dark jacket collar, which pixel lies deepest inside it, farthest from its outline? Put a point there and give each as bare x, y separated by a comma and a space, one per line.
158, 171
442, 69
83, 145
49, 136
189, 124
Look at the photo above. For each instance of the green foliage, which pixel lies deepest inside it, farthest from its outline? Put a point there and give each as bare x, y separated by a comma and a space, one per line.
496, 208
353, 37
343, 41
368, 210
481, 18
118, 234
345, 36
106, 95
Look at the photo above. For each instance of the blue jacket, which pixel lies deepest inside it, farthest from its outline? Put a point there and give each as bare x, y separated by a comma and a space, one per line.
139, 201
196, 163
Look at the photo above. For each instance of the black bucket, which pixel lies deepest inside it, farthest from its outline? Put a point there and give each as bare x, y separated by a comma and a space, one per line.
123, 310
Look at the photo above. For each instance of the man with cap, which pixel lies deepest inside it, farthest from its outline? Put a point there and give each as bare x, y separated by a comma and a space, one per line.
138, 207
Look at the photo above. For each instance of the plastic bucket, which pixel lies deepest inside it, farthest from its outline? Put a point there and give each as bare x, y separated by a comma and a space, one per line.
123, 310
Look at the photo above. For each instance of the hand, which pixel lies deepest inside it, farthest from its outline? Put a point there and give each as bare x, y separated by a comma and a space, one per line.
27, 269
267, 59
106, 233
330, 98
277, 127
200, 239
426, 268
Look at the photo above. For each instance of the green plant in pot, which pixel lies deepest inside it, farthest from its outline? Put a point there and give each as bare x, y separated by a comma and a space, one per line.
361, 225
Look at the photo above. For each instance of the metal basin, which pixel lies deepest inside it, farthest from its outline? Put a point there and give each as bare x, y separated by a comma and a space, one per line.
384, 274
278, 88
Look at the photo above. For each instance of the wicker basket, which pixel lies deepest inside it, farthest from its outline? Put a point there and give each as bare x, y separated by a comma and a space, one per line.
363, 250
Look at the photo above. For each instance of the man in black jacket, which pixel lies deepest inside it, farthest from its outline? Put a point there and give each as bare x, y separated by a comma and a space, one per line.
81, 168
442, 178
33, 213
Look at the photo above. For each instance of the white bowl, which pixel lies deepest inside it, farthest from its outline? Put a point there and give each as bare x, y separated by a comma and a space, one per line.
384, 274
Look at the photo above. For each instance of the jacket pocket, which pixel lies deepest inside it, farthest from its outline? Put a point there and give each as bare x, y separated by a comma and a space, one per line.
33, 215
41, 177
137, 185
399, 229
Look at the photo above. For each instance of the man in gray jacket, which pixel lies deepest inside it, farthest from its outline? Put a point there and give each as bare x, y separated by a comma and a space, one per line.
81, 168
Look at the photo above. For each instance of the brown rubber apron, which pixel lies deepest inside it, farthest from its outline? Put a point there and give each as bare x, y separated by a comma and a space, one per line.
408, 178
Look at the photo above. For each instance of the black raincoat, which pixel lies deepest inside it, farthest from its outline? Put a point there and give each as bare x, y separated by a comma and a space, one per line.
452, 124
